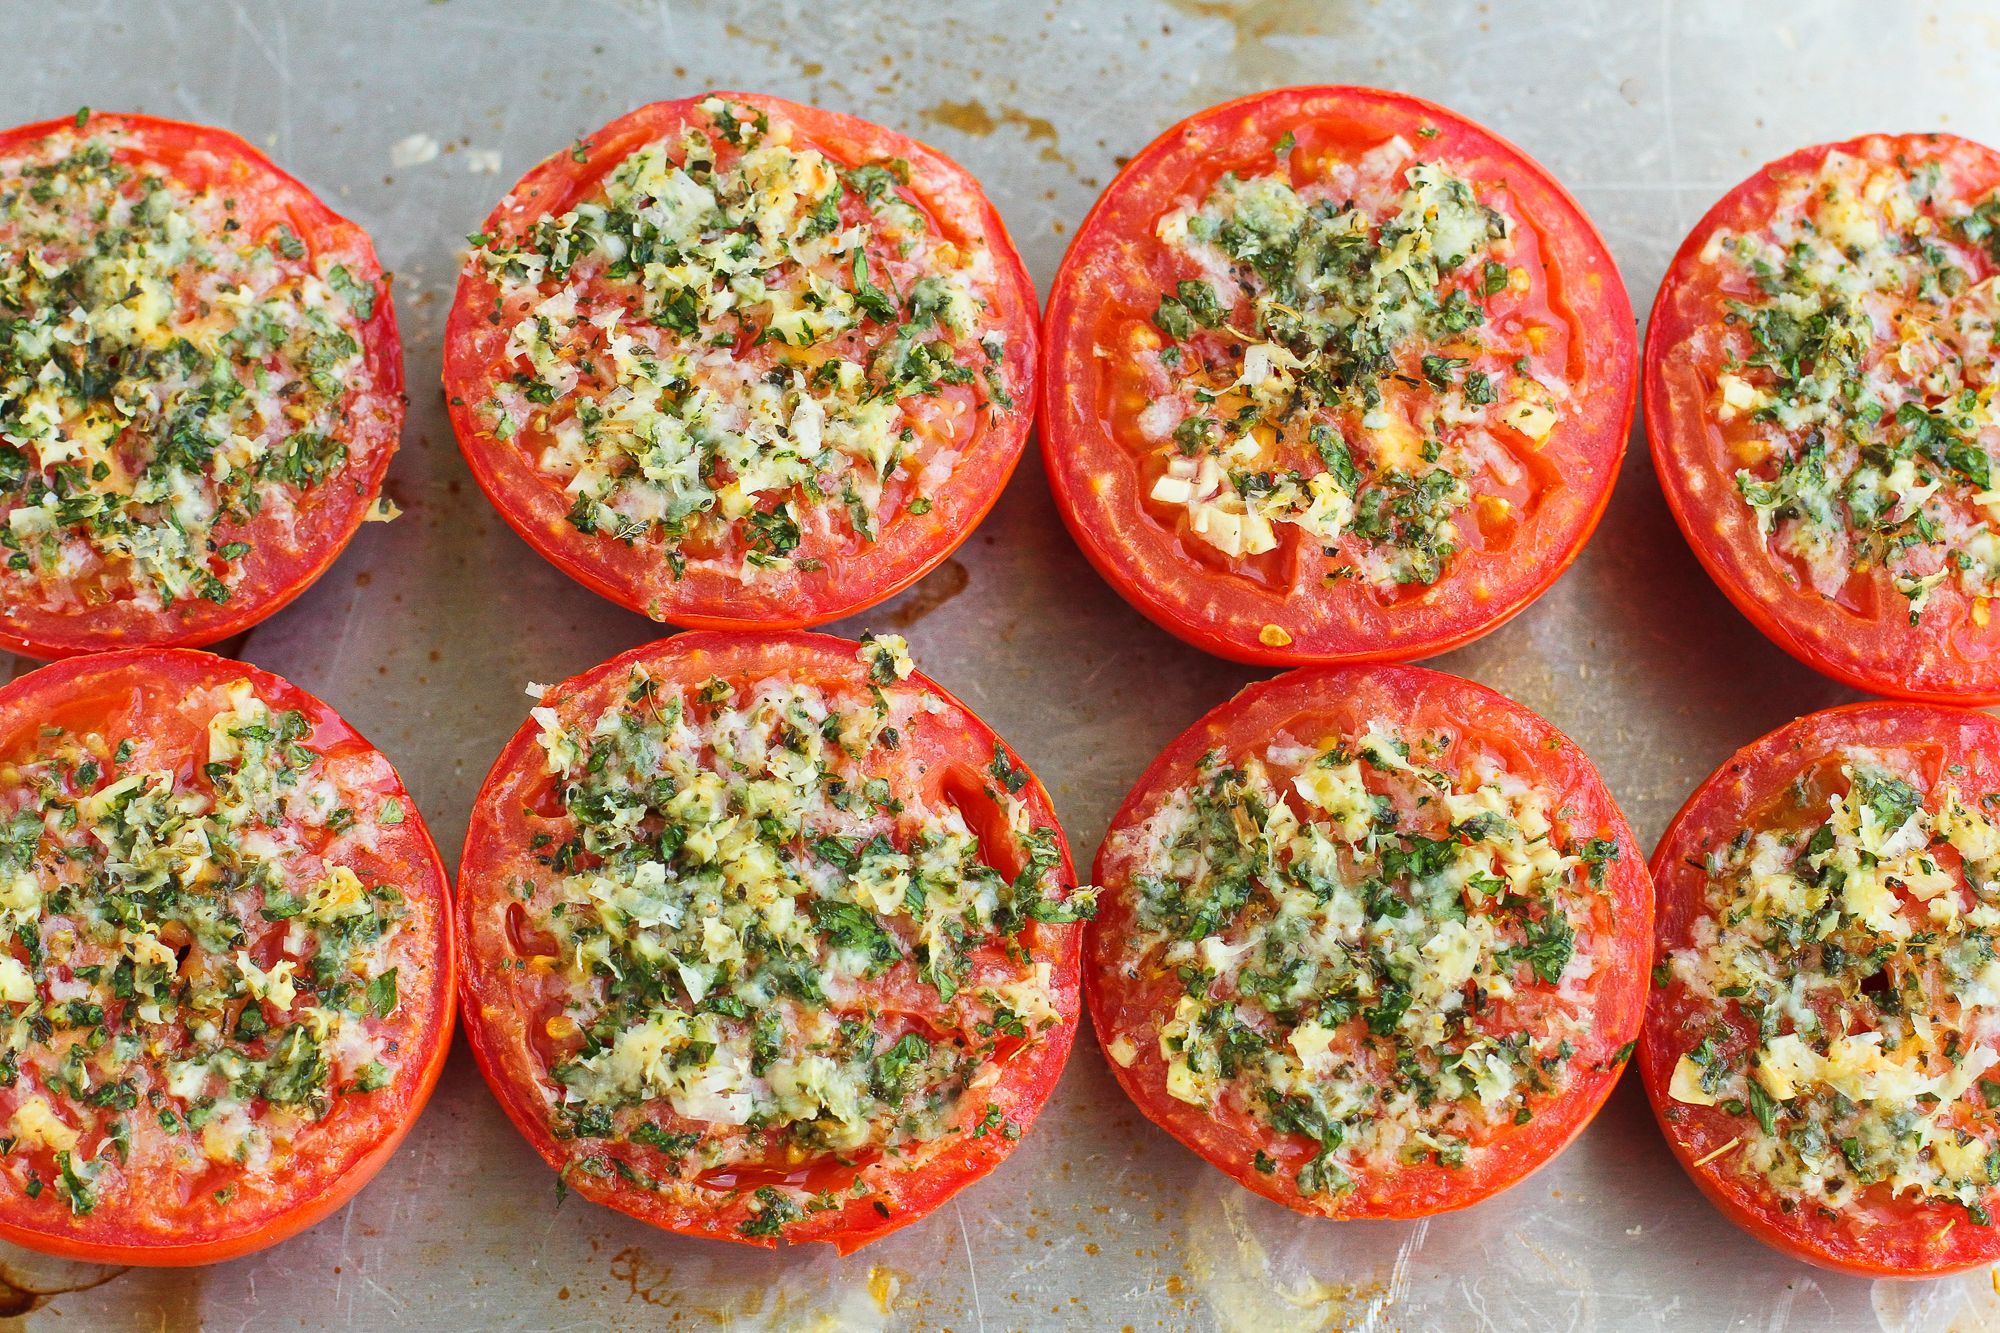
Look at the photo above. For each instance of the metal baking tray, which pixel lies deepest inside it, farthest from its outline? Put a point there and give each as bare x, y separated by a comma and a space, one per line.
413, 116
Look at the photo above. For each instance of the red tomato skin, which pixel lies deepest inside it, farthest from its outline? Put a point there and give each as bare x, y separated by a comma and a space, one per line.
1724, 799
1313, 697
1202, 610
1865, 655
338, 503
904, 550
1022, 1094
200, 668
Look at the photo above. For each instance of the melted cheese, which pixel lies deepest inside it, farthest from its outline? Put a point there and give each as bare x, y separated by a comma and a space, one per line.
165, 378
869, 339
1865, 970
1339, 308
1847, 390
761, 865
1331, 970
171, 990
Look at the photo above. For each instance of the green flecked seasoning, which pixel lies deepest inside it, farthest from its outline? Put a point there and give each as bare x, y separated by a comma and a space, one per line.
739, 353
775, 941
168, 376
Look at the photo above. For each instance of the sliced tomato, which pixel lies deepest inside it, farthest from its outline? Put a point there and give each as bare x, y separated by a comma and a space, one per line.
796, 552
287, 524
1905, 989
156, 1111
696, 1139
1542, 325
1878, 599
1270, 1002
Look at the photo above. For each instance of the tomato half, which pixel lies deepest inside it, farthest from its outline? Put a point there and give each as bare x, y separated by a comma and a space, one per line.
1819, 1046
768, 938
1819, 381
201, 378
1334, 374
734, 362
226, 983
1372, 941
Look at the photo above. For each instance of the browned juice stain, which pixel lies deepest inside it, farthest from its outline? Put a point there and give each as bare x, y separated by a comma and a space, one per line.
884, 1284
1259, 55
650, 1282
21, 1296
1255, 20
743, 34
645, 1279
974, 118
777, 45
945, 582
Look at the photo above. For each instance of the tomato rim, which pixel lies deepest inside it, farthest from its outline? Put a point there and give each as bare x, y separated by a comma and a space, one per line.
382, 349
857, 1223
1745, 766
1666, 445
512, 487
1064, 438
1272, 699
63, 676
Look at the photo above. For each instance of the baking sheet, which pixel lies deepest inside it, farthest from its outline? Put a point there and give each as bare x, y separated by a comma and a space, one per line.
413, 117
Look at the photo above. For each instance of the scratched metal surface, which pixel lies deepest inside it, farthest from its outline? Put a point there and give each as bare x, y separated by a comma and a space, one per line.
426, 631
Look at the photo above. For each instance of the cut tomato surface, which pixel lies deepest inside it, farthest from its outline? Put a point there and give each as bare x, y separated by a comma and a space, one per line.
734, 362
226, 981
1372, 941
200, 385
1820, 374
1820, 1046
768, 936
1334, 374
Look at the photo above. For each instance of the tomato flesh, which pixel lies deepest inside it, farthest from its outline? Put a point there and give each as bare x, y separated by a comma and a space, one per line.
1475, 459
314, 456
1866, 971
1320, 1091
1817, 370
782, 524
727, 1150
139, 1166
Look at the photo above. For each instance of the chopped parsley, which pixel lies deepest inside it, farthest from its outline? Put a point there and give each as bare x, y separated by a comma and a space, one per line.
730, 350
